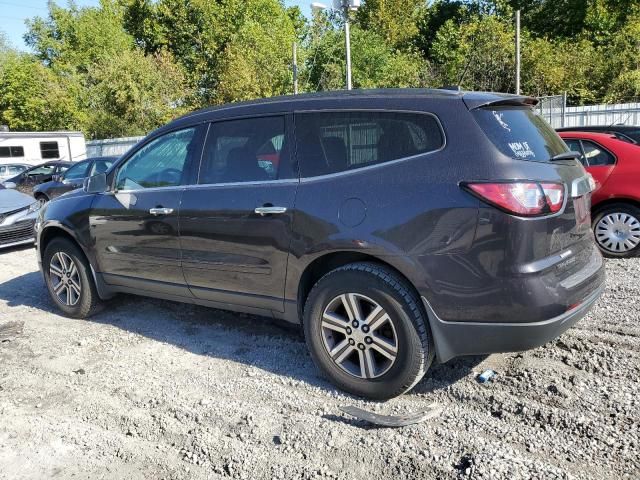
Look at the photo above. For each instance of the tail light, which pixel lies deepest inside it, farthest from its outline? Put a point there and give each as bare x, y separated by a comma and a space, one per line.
527, 199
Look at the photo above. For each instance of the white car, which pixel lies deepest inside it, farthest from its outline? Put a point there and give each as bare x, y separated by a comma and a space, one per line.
10, 170
18, 213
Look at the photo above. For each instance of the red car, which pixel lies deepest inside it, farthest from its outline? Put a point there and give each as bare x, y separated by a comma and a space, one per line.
615, 208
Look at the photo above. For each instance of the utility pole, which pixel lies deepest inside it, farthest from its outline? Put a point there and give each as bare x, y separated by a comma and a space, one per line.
347, 41
517, 52
295, 68
343, 6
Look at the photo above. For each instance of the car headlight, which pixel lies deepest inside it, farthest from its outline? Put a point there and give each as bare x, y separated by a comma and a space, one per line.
34, 207
9, 185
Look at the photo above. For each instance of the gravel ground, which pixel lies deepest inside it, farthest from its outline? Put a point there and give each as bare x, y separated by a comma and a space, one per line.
155, 389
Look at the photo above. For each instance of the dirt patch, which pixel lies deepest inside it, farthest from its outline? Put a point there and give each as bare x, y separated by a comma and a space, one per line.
155, 389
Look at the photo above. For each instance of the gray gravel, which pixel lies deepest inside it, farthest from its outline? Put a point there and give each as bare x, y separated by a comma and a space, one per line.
154, 389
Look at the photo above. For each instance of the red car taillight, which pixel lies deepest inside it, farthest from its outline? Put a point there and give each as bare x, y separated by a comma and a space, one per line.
527, 199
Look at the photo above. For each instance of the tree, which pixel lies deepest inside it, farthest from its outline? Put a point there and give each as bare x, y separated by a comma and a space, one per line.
32, 97
478, 54
132, 94
394, 20
74, 38
375, 64
209, 39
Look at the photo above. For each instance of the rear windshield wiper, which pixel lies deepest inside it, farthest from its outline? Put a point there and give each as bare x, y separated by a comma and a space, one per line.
566, 156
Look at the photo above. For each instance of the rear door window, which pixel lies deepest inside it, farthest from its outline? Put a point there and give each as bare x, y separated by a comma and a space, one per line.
520, 133
574, 146
245, 150
596, 155
331, 142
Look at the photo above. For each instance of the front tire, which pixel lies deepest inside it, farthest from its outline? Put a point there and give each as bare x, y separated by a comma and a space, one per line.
617, 230
68, 278
367, 332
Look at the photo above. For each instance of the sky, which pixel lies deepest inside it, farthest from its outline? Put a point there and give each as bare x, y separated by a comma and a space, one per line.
13, 13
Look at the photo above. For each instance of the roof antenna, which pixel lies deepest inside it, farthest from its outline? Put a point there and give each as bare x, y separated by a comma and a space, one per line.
471, 58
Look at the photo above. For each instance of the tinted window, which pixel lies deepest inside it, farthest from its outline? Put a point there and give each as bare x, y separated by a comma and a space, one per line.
337, 141
77, 171
247, 150
520, 133
7, 152
596, 155
633, 134
574, 146
100, 166
160, 163
49, 150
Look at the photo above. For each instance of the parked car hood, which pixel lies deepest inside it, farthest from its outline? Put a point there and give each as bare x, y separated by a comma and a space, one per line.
11, 200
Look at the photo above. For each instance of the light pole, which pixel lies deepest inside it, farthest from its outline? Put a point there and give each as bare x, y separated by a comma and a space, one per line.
517, 52
344, 6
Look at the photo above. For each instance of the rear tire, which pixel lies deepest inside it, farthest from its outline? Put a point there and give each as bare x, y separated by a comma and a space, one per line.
69, 280
616, 229
386, 350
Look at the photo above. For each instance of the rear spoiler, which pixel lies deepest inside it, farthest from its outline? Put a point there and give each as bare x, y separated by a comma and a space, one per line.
481, 100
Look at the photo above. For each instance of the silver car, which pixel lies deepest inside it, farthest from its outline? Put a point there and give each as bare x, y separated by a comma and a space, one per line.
10, 170
18, 214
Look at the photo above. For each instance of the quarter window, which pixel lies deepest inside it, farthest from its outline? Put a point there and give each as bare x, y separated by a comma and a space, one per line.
160, 163
596, 155
49, 150
100, 166
337, 141
246, 150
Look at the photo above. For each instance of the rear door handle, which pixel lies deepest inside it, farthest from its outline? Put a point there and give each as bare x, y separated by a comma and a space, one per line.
270, 210
160, 211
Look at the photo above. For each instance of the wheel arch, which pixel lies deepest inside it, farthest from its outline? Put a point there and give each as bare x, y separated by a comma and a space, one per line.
597, 208
51, 232
329, 261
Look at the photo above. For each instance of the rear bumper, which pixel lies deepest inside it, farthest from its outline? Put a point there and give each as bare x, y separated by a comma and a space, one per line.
454, 339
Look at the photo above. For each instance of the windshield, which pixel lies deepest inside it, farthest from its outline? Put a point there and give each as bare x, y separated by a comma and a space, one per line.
520, 133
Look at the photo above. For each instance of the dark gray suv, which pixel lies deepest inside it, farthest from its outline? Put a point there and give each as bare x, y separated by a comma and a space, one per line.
397, 226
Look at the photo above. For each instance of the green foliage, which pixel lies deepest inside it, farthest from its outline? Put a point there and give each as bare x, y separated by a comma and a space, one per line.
125, 67
375, 64
132, 94
478, 54
33, 97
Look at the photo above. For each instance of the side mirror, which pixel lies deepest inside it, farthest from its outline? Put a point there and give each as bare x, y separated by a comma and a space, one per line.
57, 178
96, 184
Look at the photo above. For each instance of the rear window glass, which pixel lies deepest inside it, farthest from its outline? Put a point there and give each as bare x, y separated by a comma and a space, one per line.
520, 133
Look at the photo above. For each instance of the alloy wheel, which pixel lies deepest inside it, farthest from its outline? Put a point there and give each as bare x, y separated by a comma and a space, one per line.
65, 279
359, 335
618, 232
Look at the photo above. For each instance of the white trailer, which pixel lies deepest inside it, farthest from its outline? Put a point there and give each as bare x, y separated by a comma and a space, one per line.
33, 148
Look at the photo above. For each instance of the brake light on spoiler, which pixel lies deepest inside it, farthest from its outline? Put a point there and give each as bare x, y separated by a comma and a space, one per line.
522, 198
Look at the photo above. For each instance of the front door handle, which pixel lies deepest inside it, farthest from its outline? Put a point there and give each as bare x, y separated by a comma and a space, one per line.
160, 211
270, 210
